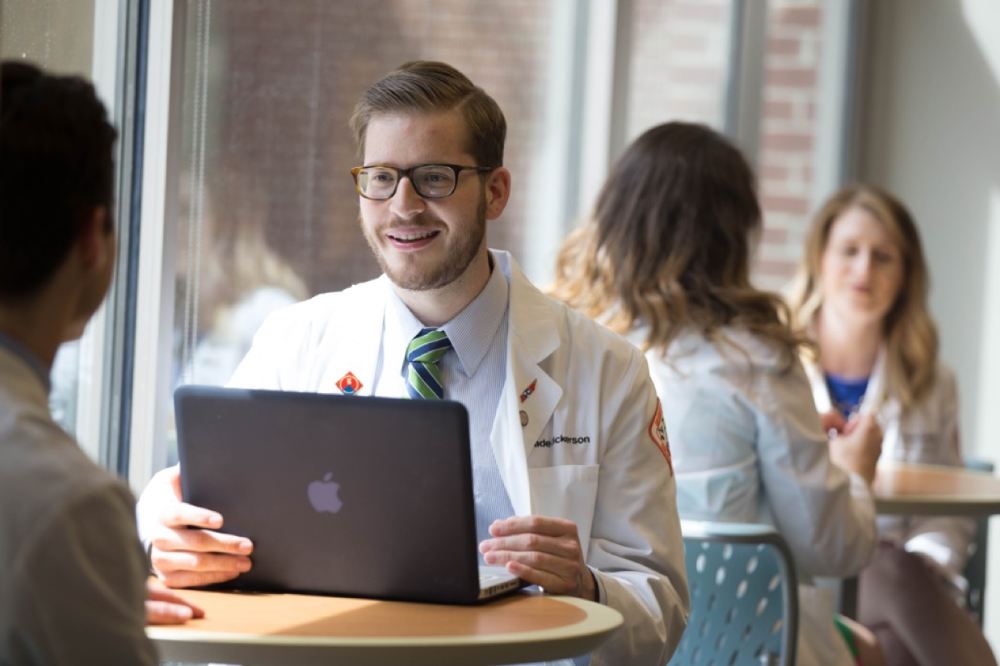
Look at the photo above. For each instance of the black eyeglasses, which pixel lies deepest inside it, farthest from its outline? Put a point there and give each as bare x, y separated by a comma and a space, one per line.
431, 181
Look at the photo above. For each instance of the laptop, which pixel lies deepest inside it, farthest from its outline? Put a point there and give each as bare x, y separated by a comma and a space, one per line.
344, 495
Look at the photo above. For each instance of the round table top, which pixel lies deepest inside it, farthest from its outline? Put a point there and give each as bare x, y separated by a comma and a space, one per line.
261, 628
922, 490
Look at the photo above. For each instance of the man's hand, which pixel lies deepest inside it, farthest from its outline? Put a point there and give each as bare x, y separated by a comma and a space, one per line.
542, 551
859, 448
165, 606
184, 550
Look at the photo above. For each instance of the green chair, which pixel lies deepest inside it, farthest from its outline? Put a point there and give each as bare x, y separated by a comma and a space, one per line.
744, 596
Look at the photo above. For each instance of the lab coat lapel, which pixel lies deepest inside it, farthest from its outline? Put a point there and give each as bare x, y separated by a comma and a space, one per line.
875, 393
358, 342
530, 395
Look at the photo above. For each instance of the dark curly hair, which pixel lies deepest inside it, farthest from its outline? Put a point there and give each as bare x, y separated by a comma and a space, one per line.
56, 167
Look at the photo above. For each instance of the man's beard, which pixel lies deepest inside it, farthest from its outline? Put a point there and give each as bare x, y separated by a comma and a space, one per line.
465, 246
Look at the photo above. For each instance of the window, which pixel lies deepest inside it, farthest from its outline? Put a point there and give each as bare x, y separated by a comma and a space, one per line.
79, 38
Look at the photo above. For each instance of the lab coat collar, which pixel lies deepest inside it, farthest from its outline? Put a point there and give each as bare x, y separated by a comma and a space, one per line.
531, 395
876, 399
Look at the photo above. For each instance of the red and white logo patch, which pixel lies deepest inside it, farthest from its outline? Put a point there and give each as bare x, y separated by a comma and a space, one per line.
528, 391
349, 384
658, 433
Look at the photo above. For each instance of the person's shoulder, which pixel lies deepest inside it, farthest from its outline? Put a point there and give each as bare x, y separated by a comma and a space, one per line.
579, 329
44, 474
943, 373
945, 387
730, 351
757, 351
322, 307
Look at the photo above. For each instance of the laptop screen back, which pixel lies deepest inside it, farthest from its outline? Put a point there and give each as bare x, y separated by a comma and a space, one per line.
344, 495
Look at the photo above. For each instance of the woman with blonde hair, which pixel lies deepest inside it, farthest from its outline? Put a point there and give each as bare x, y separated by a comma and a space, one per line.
861, 295
665, 261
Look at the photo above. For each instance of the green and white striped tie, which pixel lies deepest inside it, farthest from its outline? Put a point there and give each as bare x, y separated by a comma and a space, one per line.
423, 377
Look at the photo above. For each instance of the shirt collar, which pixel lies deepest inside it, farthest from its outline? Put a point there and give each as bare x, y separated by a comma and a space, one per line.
26, 355
471, 331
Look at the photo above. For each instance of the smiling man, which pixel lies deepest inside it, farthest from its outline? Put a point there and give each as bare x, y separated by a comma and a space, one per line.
573, 485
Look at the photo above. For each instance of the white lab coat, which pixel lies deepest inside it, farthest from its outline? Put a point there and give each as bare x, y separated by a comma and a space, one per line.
748, 447
927, 432
586, 452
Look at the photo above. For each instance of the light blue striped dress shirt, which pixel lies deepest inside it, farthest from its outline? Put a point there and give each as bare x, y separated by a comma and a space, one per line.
473, 374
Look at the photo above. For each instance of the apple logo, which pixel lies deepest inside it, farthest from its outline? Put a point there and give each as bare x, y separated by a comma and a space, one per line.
323, 495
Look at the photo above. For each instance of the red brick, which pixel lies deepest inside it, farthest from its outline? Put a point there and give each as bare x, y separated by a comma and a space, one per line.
772, 172
775, 268
797, 78
793, 205
772, 236
786, 142
775, 110
780, 46
806, 17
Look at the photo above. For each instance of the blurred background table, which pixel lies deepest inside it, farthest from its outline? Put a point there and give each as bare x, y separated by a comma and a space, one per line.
933, 490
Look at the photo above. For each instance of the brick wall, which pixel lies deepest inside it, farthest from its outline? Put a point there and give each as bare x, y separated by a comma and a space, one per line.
788, 136
678, 68
678, 72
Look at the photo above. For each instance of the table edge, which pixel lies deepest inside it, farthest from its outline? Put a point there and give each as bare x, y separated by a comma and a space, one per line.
600, 620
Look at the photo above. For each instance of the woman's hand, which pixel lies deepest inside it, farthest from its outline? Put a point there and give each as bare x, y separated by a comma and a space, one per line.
859, 447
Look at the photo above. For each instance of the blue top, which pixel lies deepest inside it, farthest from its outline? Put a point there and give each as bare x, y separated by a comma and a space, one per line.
846, 393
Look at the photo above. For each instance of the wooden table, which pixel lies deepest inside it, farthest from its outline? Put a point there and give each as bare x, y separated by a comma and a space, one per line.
932, 490
257, 628
911, 489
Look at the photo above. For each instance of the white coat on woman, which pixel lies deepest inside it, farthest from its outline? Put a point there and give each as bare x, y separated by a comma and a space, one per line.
748, 447
927, 432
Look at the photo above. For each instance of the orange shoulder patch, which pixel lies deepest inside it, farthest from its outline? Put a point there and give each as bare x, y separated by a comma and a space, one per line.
658, 433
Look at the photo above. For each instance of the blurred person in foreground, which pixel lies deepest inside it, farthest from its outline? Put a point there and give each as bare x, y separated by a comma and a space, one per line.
665, 260
73, 576
861, 296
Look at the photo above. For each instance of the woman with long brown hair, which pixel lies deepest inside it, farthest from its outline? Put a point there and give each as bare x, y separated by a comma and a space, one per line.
861, 295
665, 261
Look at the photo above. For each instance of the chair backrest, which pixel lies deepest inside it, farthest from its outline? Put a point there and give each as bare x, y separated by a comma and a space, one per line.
975, 566
744, 596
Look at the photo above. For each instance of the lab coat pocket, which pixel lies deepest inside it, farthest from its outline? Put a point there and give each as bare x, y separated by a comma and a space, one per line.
566, 491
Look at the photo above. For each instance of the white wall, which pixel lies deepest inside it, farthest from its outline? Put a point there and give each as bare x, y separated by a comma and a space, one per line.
932, 136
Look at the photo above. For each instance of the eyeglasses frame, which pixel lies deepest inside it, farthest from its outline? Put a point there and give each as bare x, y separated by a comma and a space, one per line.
405, 173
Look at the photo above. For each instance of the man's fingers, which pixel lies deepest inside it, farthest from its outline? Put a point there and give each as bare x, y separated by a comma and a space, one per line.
180, 514
548, 581
201, 541
168, 562
194, 578
553, 574
155, 592
561, 547
544, 525
164, 612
